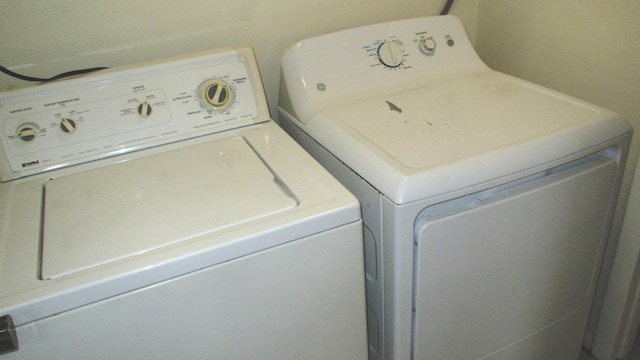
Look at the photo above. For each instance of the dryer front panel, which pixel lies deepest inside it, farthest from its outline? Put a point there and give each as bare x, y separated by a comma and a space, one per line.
512, 270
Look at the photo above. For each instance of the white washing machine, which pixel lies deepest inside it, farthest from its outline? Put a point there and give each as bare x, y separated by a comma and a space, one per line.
157, 212
487, 200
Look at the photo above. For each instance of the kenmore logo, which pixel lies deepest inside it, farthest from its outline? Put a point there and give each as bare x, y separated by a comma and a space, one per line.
32, 163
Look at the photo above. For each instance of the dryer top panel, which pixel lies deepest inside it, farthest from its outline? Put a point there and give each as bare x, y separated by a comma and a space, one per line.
429, 111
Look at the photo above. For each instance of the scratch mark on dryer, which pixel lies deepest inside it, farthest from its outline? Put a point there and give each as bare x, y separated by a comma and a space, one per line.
393, 107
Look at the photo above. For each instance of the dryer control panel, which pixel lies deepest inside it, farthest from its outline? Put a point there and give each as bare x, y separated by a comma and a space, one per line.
394, 53
68, 122
376, 60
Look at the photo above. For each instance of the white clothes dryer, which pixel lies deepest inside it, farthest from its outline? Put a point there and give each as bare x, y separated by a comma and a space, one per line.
487, 200
157, 212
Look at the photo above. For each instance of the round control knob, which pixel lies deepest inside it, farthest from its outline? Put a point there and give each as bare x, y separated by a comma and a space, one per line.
427, 46
27, 133
144, 109
390, 54
68, 126
216, 95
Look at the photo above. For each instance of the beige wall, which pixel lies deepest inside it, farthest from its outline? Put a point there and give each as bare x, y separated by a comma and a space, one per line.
47, 37
587, 48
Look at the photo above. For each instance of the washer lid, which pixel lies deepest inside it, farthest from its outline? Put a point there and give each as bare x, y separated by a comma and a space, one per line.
110, 213
458, 133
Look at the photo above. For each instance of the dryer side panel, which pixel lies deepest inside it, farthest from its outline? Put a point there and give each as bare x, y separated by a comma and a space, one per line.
510, 272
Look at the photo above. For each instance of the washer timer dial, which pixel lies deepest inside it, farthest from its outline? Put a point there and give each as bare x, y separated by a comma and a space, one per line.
390, 54
216, 95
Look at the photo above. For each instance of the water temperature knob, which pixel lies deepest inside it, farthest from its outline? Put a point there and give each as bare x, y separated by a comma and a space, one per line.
68, 126
390, 54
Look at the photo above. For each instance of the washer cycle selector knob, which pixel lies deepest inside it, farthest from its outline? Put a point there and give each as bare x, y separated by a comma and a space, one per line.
27, 133
68, 125
216, 94
144, 109
390, 54
427, 46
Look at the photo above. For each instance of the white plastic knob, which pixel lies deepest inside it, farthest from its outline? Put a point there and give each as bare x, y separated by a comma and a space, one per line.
390, 54
428, 46
27, 133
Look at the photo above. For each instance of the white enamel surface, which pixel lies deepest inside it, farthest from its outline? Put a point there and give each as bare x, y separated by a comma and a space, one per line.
127, 209
321, 204
139, 218
354, 72
433, 131
457, 119
443, 119
504, 270
255, 307
459, 133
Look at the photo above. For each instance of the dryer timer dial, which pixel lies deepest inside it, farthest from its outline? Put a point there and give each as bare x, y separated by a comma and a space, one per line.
390, 54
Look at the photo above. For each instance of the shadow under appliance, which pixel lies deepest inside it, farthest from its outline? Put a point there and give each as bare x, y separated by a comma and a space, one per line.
487, 200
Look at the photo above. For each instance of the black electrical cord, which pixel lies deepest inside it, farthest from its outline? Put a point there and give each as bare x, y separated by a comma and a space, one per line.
447, 7
445, 11
59, 76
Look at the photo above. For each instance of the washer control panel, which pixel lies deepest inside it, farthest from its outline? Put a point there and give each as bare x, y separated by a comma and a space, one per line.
73, 121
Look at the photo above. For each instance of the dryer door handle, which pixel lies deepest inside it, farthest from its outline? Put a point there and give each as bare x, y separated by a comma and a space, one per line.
8, 336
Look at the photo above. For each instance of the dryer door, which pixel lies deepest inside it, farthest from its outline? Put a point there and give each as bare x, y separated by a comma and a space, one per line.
510, 272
